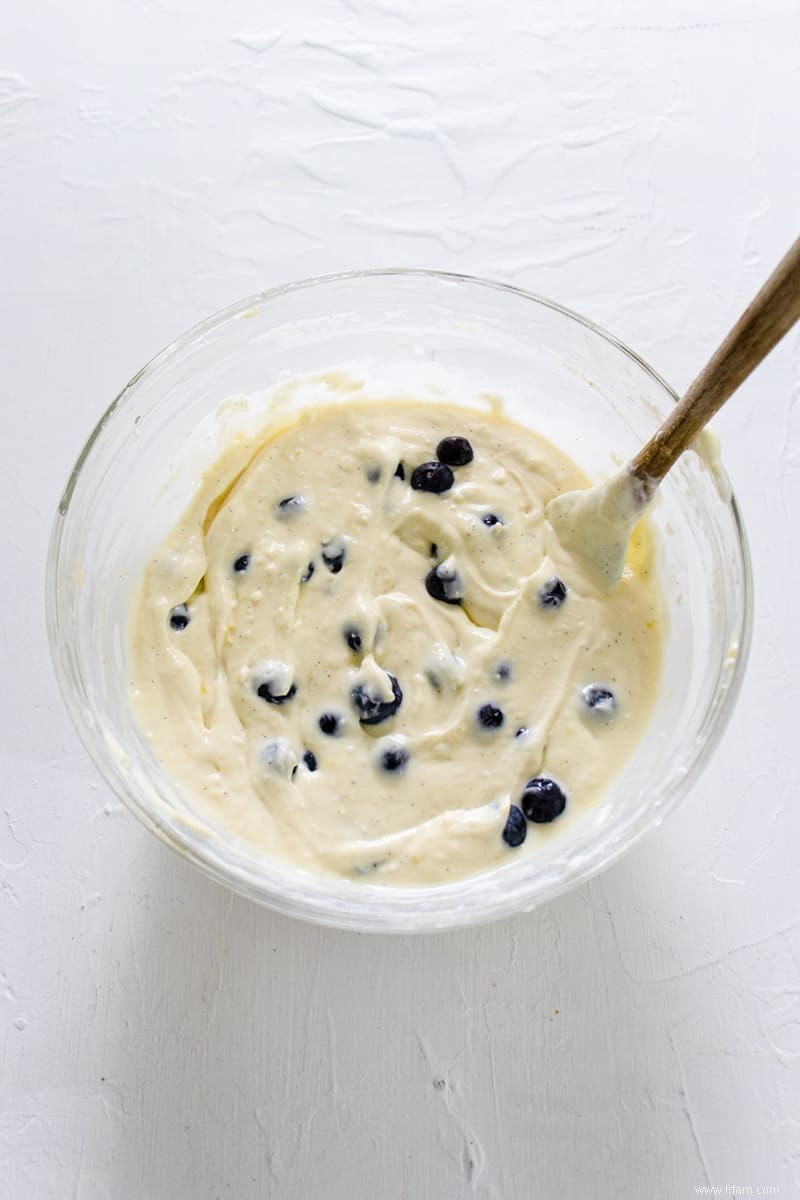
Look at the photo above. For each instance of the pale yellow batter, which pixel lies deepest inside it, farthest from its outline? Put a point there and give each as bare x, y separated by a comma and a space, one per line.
361, 676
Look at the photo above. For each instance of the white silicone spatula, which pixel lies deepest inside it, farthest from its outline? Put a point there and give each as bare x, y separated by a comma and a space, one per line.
596, 524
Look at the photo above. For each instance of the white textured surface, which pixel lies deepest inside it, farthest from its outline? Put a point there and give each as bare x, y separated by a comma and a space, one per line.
162, 1040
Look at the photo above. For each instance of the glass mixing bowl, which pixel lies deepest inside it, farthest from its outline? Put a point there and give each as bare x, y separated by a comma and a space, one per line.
559, 373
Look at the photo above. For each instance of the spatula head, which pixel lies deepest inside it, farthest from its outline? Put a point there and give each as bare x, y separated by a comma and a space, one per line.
595, 524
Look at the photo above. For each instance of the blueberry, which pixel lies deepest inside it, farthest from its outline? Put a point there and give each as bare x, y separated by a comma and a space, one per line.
272, 681
394, 759
310, 759
491, 519
353, 639
333, 555
277, 755
443, 585
432, 477
330, 724
264, 692
542, 800
290, 505
456, 451
309, 571
490, 717
503, 671
241, 563
399, 471
522, 731
334, 562
516, 828
179, 617
371, 709
373, 474
552, 593
600, 700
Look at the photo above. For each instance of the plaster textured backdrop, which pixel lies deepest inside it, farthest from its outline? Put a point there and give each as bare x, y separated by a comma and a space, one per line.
163, 1040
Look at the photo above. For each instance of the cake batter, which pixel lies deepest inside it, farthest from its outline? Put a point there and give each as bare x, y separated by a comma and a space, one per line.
363, 649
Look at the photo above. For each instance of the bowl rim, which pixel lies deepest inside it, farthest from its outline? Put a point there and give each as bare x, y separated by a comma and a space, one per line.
177, 834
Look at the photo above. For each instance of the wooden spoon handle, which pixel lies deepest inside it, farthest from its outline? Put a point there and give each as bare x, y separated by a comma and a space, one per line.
771, 314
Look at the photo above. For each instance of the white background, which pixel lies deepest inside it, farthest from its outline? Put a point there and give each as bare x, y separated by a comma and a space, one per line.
637, 1038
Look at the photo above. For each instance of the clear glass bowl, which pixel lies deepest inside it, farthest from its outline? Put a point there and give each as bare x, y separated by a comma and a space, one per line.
562, 375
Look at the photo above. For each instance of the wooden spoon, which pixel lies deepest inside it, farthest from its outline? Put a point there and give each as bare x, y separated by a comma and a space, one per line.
596, 524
